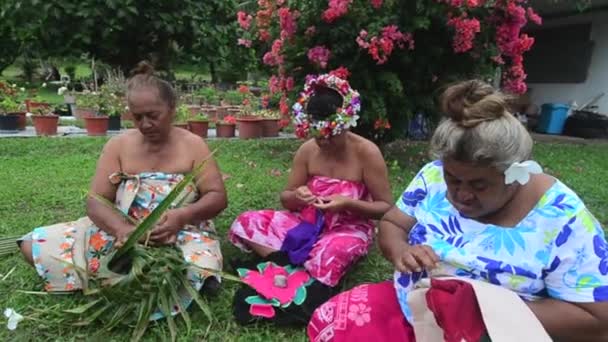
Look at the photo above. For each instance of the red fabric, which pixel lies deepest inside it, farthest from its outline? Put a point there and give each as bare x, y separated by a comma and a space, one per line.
367, 313
456, 310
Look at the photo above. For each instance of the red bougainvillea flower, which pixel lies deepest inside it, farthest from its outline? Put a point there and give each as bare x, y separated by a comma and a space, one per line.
341, 72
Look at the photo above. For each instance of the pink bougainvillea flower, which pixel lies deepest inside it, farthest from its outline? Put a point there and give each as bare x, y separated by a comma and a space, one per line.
244, 42
319, 55
244, 20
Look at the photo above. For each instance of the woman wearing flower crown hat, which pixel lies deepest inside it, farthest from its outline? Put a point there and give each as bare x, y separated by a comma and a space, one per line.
337, 186
484, 244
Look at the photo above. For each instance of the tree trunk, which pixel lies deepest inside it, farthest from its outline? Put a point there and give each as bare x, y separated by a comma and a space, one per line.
213, 73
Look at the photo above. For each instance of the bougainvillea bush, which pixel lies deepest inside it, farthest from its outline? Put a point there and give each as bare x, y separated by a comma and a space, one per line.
398, 54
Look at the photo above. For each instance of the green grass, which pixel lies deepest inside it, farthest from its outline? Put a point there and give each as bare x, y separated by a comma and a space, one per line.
43, 182
11, 73
49, 95
14, 73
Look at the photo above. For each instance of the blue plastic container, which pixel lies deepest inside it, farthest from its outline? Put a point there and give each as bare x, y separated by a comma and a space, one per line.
553, 118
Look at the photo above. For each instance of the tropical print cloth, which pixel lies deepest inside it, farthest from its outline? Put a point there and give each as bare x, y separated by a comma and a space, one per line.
59, 248
344, 238
368, 312
558, 250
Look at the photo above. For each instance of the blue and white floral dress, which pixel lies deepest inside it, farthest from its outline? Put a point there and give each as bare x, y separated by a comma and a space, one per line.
558, 250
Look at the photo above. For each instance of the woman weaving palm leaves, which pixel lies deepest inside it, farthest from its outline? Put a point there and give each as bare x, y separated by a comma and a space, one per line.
137, 170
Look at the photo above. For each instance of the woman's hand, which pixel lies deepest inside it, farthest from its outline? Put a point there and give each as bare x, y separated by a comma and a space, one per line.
333, 203
407, 258
121, 234
304, 195
169, 225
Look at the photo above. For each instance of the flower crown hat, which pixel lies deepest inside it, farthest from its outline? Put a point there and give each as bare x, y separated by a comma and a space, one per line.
345, 118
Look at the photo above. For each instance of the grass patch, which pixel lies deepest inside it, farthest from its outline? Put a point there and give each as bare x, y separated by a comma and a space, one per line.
44, 180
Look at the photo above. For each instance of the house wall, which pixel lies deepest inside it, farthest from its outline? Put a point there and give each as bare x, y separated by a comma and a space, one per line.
597, 80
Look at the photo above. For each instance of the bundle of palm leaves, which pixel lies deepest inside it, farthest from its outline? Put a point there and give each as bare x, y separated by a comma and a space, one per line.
136, 282
153, 279
8, 245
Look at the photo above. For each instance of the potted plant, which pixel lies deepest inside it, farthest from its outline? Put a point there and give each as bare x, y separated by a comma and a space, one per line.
182, 114
96, 125
10, 114
234, 97
95, 122
112, 106
208, 96
199, 125
226, 127
250, 126
87, 104
270, 122
34, 103
45, 122
12, 107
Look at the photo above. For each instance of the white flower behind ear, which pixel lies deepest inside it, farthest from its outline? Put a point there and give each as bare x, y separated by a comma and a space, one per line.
13, 318
520, 172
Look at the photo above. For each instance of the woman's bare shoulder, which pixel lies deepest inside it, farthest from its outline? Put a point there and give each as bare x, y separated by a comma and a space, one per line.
307, 148
191, 144
123, 140
365, 147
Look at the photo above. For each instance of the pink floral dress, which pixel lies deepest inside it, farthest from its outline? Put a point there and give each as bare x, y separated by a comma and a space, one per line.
345, 237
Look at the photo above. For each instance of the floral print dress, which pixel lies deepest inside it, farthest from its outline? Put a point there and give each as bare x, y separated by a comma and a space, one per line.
558, 250
58, 249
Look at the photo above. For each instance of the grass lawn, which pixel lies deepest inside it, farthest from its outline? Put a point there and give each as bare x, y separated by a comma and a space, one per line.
14, 72
43, 181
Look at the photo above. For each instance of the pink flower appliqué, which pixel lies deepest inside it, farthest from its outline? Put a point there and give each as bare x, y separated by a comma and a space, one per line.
264, 282
359, 313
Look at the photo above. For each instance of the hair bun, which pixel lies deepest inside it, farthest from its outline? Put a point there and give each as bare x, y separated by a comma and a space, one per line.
471, 102
143, 68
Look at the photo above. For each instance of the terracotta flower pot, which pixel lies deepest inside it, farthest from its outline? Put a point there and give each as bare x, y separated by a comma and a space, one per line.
30, 105
81, 113
270, 127
46, 124
198, 127
250, 127
96, 125
225, 130
21, 121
